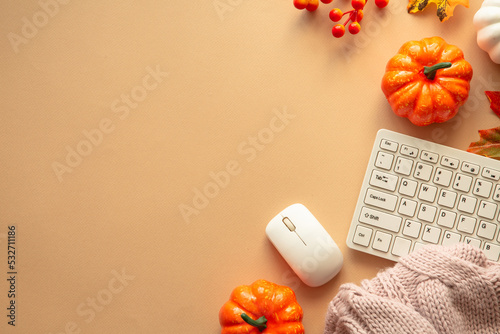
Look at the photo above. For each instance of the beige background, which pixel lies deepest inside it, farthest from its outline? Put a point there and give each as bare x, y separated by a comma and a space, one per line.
116, 211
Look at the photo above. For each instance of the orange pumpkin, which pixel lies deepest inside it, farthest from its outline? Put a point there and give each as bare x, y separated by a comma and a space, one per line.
427, 81
263, 307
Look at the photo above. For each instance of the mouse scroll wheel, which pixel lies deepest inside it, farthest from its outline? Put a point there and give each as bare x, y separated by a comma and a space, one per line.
289, 224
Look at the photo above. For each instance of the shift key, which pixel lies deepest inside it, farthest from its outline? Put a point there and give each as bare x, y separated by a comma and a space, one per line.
380, 219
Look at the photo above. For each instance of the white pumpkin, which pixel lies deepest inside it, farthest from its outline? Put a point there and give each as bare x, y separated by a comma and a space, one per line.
487, 24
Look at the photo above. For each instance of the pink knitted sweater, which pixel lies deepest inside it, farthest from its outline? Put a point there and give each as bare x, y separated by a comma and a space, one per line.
436, 289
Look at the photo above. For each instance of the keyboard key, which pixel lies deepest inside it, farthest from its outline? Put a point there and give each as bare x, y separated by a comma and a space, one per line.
408, 187
487, 210
446, 218
362, 236
449, 162
381, 200
412, 228
427, 213
491, 174
429, 156
470, 168
423, 171
427, 193
409, 151
447, 198
418, 245
442, 177
496, 194
467, 204
384, 160
431, 234
383, 180
389, 145
380, 219
450, 238
403, 166
486, 230
407, 207
491, 251
466, 224
472, 241
382, 241
462, 182
401, 246
482, 188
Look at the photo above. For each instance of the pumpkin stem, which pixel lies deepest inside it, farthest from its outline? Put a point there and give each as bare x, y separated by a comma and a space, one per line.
259, 323
430, 71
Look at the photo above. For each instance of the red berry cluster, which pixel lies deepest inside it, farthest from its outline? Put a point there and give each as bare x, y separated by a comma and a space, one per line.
354, 16
310, 5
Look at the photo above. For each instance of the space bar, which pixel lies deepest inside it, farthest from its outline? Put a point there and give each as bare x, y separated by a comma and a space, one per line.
380, 219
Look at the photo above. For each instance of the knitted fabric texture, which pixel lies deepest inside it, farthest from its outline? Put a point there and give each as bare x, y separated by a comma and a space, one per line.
436, 289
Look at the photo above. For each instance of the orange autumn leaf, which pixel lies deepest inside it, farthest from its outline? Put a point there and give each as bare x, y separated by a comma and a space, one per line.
494, 98
488, 145
444, 7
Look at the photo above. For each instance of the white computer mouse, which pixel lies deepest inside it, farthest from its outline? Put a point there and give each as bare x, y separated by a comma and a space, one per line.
305, 245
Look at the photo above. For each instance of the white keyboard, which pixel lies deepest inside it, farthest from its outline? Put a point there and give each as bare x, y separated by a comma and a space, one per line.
416, 192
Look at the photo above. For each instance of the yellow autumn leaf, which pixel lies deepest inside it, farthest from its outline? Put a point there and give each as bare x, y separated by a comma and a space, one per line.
444, 7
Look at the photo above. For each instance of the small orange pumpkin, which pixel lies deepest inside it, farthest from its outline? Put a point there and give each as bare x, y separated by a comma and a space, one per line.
427, 81
263, 307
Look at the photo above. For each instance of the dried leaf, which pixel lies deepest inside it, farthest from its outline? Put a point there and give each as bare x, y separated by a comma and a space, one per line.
494, 98
444, 7
488, 145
